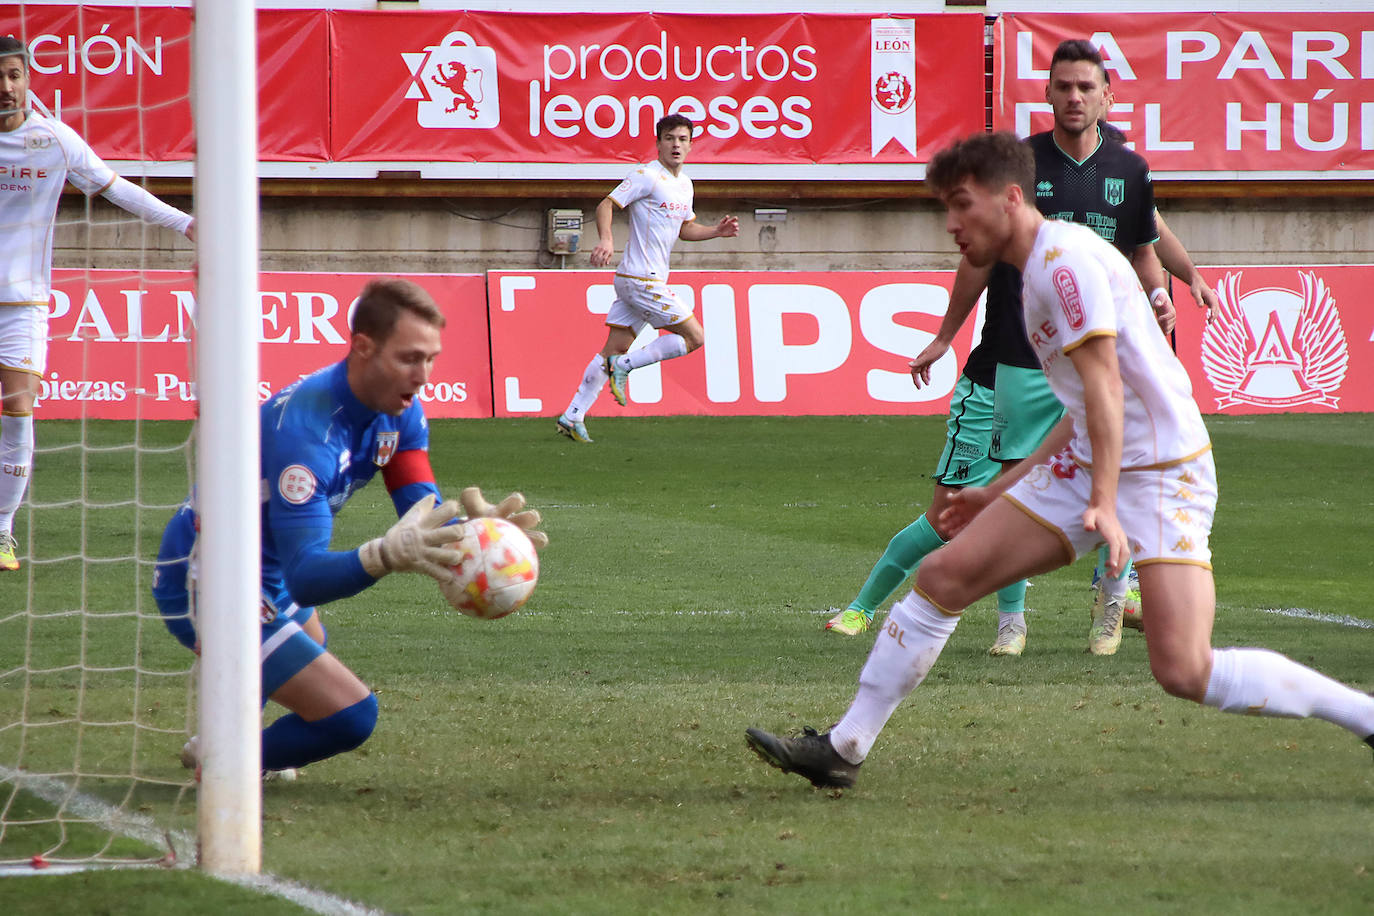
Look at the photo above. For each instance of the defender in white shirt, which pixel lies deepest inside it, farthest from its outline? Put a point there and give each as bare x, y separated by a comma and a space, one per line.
1130, 465
37, 157
658, 196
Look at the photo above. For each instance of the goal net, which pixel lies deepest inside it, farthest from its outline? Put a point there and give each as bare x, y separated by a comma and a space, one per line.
96, 697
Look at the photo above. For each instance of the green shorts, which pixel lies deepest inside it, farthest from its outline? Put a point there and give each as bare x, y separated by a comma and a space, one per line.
968, 434
1023, 413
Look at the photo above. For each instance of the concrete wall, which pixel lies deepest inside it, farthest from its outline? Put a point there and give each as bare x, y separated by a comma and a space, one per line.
429, 234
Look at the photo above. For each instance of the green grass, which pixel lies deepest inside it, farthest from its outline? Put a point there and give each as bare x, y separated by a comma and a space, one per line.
586, 755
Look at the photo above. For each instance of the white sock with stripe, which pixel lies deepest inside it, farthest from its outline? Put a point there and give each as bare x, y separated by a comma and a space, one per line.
16, 465
593, 380
1263, 683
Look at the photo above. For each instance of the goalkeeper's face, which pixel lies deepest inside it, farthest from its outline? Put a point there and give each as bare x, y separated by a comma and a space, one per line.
388, 376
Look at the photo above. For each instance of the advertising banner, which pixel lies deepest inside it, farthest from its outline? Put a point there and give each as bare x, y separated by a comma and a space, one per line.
120, 344
121, 77
777, 343
560, 88
1288, 339
1268, 92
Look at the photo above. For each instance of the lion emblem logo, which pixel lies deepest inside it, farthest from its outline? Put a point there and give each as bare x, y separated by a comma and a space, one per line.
455, 82
1276, 348
893, 92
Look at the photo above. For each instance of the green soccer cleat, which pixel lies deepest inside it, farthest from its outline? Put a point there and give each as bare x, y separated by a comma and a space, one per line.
620, 380
1104, 636
849, 622
1011, 640
1131, 616
575, 430
809, 754
9, 562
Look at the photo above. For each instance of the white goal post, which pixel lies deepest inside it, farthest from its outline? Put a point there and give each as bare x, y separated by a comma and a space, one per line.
224, 85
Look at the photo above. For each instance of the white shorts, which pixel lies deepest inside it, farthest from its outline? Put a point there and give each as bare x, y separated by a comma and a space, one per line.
24, 338
1165, 512
640, 302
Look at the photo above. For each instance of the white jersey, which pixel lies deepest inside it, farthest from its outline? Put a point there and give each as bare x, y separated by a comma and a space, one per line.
658, 203
1075, 287
36, 160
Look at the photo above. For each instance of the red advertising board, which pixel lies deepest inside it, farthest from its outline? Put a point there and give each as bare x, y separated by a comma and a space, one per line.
1205, 92
777, 343
1288, 339
121, 76
120, 343
563, 88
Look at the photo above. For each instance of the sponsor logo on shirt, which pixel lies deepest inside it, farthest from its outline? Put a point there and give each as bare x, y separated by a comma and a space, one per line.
296, 484
1069, 299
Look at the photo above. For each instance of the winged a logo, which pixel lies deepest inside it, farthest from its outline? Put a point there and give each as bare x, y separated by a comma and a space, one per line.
1276, 348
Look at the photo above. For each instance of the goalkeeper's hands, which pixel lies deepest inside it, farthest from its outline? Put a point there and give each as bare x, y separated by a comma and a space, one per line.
416, 543
476, 506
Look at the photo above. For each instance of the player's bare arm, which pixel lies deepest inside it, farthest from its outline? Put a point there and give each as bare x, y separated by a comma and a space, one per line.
969, 283
605, 245
1095, 362
1145, 260
1176, 261
726, 228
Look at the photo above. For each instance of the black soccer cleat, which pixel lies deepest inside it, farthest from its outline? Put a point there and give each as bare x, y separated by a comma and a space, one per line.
810, 754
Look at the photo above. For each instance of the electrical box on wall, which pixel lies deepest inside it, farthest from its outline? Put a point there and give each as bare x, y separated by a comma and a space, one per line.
564, 231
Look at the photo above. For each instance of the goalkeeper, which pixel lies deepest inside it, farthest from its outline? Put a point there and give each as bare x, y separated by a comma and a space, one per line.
323, 438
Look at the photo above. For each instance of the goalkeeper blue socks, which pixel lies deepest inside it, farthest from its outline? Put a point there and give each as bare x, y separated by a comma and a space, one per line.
293, 742
904, 553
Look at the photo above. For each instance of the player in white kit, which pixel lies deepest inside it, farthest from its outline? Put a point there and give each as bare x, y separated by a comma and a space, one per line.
658, 196
38, 156
1130, 466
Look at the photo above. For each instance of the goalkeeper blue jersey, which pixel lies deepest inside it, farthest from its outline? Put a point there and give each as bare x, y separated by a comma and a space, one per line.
320, 444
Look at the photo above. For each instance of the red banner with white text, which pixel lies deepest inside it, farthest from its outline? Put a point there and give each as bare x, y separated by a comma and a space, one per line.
562, 88
121, 76
120, 343
777, 343
1210, 92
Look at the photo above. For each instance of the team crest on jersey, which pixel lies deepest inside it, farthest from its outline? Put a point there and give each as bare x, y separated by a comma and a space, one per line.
1114, 191
267, 610
1276, 348
1066, 284
386, 447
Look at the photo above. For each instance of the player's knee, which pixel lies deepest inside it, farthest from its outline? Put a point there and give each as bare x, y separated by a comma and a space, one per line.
1180, 679
354, 725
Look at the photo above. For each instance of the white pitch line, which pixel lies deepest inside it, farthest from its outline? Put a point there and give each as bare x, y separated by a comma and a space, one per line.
1344, 620
144, 829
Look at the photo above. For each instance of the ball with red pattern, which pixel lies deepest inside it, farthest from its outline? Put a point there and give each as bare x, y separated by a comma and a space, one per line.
498, 571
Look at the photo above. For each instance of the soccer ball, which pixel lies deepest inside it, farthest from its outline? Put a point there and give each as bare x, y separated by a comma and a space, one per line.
498, 571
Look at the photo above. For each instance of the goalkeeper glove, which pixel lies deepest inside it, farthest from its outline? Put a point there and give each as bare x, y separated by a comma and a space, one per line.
476, 506
416, 543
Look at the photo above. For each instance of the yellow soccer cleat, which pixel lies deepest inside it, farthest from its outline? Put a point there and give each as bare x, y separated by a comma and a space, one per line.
1011, 640
620, 381
9, 562
1104, 636
849, 622
575, 430
1133, 617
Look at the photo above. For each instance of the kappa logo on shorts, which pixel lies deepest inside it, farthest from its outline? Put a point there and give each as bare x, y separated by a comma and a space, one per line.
296, 484
1181, 516
1299, 356
1066, 284
1183, 545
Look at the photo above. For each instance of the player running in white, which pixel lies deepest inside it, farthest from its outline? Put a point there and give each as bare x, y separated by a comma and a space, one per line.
1130, 466
37, 157
658, 196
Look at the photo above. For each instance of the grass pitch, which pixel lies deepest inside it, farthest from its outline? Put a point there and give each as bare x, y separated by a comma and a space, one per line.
586, 755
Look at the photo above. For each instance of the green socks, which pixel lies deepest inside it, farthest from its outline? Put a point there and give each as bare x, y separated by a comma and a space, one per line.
903, 554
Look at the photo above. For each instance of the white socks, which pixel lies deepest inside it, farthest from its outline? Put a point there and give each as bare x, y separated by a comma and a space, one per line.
665, 346
906, 649
1264, 683
16, 464
593, 380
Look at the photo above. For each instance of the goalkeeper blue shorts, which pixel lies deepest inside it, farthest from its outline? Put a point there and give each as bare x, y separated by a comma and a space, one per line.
286, 648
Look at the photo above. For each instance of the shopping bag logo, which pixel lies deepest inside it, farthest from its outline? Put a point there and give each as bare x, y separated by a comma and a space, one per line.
455, 83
